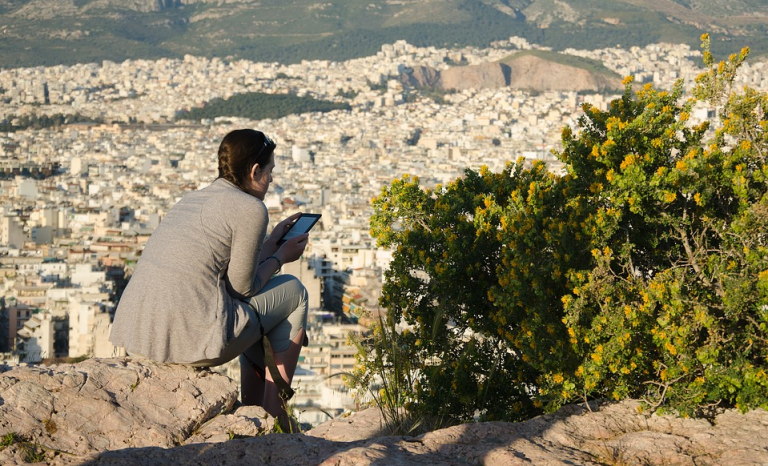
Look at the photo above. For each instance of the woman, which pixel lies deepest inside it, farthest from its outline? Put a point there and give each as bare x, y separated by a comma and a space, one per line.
203, 289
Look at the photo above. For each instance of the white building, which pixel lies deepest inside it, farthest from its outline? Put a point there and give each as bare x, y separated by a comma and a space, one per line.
89, 327
84, 275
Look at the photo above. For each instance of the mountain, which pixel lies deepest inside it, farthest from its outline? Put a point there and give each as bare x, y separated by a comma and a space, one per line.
49, 32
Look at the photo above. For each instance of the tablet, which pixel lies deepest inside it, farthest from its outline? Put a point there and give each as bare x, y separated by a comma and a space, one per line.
302, 225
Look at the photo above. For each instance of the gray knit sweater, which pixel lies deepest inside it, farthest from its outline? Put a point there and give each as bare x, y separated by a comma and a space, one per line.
182, 303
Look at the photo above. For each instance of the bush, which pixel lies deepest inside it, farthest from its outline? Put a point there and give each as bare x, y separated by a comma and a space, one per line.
640, 272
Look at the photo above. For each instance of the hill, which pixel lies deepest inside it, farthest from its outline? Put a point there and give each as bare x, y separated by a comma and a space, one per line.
532, 70
49, 32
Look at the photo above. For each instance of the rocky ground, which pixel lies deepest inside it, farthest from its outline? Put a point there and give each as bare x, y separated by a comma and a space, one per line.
126, 412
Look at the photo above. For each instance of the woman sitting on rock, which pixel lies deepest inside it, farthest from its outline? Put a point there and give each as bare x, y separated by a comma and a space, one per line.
205, 290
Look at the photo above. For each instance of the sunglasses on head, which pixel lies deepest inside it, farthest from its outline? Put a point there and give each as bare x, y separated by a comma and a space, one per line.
267, 144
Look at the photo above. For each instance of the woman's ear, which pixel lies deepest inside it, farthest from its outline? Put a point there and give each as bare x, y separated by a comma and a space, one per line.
254, 171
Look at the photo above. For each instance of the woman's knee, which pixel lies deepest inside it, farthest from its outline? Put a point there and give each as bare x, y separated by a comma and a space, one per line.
294, 283
299, 290
298, 318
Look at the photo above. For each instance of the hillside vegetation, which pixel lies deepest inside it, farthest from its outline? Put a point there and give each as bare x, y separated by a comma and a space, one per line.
260, 106
641, 272
41, 32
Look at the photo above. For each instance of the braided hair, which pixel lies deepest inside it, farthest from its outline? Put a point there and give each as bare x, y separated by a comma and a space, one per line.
239, 151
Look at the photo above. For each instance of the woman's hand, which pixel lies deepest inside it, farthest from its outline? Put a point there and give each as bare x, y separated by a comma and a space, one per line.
283, 227
270, 245
292, 249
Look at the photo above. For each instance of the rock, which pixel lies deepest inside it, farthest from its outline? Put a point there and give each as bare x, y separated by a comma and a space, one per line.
525, 72
484, 76
245, 421
110, 404
363, 425
116, 412
144, 6
45, 9
421, 76
538, 74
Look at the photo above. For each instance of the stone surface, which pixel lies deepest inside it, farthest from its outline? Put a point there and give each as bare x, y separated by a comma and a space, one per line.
483, 76
421, 76
97, 413
245, 421
527, 72
362, 425
530, 72
110, 404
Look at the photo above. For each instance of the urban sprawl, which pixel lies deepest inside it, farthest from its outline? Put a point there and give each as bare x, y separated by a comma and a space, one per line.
70, 239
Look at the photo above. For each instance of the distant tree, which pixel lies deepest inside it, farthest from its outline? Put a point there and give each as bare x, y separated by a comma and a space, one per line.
414, 137
12, 123
377, 86
349, 94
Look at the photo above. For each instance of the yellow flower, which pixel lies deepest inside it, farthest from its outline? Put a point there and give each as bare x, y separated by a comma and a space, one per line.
628, 161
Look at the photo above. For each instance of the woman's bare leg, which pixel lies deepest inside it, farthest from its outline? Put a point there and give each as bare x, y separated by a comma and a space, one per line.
286, 362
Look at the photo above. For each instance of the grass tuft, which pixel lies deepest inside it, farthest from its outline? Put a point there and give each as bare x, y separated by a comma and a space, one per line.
30, 451
50, 426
